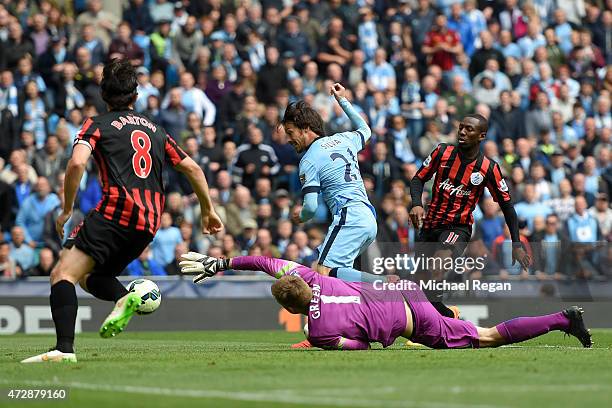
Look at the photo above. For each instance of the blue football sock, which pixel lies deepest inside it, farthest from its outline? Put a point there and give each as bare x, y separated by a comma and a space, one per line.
353, 275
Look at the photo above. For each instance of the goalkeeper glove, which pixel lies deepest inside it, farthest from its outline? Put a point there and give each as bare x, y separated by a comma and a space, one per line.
202, 265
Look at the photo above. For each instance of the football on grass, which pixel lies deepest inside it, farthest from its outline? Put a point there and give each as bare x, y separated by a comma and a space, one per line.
150, 296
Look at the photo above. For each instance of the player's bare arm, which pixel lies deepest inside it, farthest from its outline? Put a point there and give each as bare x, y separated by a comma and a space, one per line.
211, 223
74, 172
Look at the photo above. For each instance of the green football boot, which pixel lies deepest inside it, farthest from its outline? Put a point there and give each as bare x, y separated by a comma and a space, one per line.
119, 318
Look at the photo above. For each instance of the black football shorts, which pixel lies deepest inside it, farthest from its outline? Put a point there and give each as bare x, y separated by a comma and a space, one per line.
455, 238
112, 246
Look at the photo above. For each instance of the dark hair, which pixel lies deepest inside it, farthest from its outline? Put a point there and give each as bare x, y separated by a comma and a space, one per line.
31, 81
483, 123
304, 117
118, 86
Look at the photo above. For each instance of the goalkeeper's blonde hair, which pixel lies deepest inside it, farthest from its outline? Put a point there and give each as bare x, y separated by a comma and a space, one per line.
292, 292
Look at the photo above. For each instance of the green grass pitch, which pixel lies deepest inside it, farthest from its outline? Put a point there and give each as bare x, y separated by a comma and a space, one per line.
258, 369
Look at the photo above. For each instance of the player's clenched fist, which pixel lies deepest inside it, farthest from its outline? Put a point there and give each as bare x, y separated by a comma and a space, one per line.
417, 215
211, 223
519, 254
338, 91
59, 223
295, 214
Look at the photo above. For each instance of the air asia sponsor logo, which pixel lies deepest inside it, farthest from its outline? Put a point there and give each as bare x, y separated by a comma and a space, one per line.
132, 120
459, 191
315, 311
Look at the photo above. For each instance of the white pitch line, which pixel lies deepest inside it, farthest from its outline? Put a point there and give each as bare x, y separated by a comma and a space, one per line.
531, 388
288, 396
548, 346
457, 389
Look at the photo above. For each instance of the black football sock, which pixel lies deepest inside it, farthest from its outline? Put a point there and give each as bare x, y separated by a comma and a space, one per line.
64, 306
443, 309
105, 287
435, 298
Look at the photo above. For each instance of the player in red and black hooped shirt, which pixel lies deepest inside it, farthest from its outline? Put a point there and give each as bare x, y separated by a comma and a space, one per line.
461, 174
130, 152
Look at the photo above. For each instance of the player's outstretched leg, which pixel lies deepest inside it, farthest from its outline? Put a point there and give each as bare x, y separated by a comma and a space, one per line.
353, 275
109, 288
72, 266
525, 328
451, 312
119, 318
103, 287
577, 327
435, 272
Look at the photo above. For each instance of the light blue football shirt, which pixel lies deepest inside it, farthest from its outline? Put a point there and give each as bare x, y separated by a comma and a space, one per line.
330, 166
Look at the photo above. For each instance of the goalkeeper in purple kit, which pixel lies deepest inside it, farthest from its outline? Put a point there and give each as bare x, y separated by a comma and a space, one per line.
351, 315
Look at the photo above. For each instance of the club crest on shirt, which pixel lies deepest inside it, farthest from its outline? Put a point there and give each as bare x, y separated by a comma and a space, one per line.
302, 178
427, 161
476, 178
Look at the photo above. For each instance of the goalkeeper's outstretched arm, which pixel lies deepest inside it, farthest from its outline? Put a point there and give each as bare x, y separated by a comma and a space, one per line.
274, 267
205, 267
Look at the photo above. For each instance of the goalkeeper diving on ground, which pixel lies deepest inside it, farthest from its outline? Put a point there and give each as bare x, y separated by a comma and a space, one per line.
351, 315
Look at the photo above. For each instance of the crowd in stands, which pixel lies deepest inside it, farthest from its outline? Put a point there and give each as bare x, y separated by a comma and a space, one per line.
218, 76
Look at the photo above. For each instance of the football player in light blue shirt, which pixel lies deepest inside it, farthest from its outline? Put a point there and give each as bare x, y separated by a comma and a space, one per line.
329, 165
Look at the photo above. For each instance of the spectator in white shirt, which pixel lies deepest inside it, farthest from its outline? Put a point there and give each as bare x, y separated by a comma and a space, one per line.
194, 100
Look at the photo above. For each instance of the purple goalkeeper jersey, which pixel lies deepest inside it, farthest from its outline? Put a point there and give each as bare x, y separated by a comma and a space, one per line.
344, 315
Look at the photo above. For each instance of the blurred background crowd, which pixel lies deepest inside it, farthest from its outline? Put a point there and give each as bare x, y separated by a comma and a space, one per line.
218, 75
